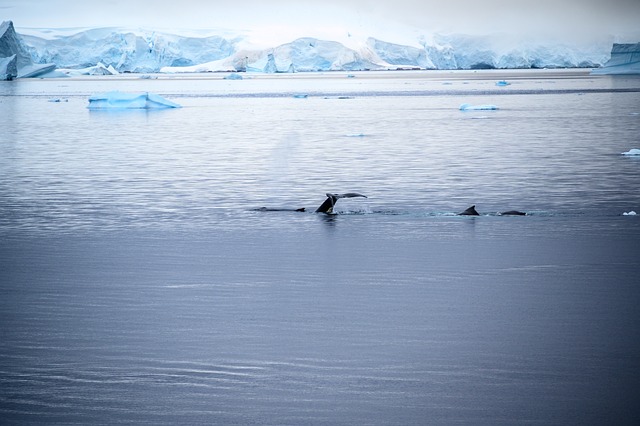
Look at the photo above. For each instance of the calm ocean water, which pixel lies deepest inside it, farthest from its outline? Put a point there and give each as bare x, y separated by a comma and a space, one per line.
139, 284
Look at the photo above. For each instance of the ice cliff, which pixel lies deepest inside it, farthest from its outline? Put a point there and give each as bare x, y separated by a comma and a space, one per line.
142, 51
15, 60
625, 59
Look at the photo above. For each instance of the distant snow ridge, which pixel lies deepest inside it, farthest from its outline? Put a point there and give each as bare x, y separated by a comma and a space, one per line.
142, 51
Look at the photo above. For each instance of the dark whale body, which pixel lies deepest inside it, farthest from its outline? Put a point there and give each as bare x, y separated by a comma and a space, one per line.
513, 213
270, 209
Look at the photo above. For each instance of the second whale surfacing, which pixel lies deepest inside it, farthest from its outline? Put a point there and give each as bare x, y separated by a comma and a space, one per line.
471, 211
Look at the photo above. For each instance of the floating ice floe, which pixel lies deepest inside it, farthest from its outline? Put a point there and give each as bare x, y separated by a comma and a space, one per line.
631, 213
502, 83
633, 151
469, 107
233, 76
120, 100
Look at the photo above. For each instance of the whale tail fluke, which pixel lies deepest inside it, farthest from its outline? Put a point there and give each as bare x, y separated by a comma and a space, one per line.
330, 202
471, 211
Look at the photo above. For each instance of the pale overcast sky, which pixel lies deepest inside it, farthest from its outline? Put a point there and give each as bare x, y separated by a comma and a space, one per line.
617, 17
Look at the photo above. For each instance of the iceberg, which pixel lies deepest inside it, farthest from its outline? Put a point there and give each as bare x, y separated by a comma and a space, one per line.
15, 60
469, 107
632, 152
625, 59
120, 100
631, 213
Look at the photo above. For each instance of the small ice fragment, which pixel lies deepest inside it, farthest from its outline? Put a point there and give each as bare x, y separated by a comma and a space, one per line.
469, 107
502, 83
120, 100
631, 213
300, 96
633, 151
233, 76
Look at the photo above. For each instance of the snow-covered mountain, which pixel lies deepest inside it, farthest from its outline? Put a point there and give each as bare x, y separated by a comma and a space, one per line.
109, 50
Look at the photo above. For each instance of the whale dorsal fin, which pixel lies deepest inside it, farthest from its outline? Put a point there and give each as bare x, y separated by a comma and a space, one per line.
471, 211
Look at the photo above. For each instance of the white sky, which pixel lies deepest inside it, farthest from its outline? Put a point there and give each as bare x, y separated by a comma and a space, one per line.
598, 17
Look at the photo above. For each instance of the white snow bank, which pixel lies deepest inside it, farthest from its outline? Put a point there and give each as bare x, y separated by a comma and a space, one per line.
98, 69
120, 100
633, 151
469, 107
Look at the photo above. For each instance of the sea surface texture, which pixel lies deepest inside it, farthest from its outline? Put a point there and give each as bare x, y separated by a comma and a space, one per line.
140, 282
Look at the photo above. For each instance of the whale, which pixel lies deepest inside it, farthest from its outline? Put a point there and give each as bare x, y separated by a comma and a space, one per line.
326, 206
330, 202
471, 211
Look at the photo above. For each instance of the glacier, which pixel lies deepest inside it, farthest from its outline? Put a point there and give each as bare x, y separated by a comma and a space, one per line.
100, 51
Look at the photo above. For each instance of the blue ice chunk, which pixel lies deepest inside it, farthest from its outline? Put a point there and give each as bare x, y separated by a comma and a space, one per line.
502, 83
632, 151
120, 100
233, 76
469, 107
